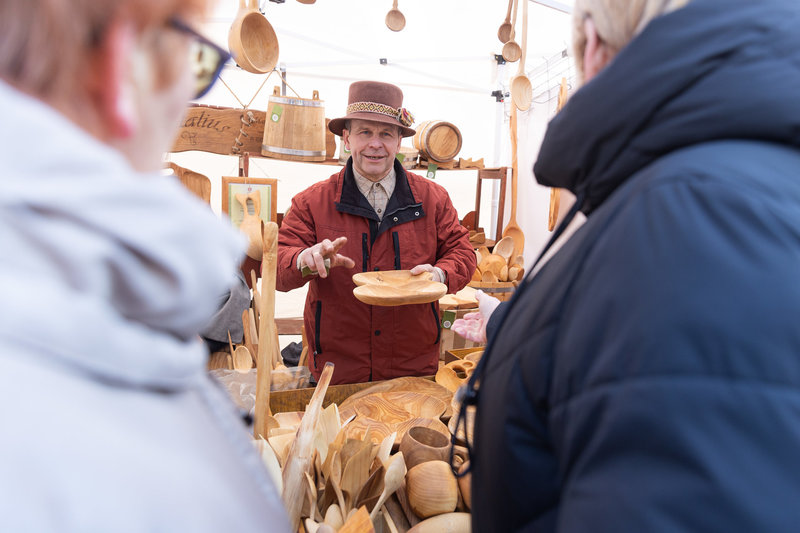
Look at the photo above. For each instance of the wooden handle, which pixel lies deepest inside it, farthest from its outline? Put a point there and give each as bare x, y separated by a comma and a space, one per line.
524, 43
514, 20
508, 13
266, 347
555, 193
394, 5
514, 170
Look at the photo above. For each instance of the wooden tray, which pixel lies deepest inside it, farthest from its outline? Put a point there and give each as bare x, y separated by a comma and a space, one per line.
413, 292
389, 277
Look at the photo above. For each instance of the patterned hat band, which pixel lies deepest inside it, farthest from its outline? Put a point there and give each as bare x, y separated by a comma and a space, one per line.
402, 115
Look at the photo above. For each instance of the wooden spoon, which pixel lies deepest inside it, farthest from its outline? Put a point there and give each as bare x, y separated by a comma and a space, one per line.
251, 223
395, 20
336, 481
521, 88
395, 474
512, 229
269, 265
242, 360
511, 50
504, 248
504, 32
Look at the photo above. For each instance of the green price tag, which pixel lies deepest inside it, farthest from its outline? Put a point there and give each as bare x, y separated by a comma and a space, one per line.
431, 171
447, 319
277, 111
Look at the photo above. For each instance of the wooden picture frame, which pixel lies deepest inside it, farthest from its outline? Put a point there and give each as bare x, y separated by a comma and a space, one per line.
267, 189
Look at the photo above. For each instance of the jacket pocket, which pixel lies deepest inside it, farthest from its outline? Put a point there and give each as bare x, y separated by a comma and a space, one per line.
438, 323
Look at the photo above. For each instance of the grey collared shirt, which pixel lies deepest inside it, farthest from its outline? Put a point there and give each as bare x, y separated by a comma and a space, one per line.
377, 193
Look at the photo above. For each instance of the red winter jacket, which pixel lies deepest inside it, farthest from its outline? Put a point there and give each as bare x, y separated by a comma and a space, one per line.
369, 343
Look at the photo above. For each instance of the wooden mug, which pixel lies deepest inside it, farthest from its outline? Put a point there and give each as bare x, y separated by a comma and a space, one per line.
421, 444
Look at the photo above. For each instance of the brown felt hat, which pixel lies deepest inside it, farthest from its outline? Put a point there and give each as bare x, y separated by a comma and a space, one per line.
378, 102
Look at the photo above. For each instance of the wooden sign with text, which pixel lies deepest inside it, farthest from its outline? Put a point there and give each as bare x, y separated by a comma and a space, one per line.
221, 130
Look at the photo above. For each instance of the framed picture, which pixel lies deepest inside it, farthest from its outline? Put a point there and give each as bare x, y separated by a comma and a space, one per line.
253, 196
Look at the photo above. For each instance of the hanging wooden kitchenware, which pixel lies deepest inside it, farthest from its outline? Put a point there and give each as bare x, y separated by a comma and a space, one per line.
252, 41
555, 192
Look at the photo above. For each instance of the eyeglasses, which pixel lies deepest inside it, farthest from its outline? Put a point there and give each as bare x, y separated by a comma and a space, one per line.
207, 59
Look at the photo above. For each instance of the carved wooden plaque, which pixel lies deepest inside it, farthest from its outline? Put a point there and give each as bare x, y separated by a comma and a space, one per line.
221, 130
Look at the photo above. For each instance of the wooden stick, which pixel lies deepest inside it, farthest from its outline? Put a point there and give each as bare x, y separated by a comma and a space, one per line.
269, 266
300, 455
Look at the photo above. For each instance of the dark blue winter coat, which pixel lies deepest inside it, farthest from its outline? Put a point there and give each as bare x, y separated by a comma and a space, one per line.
647, 379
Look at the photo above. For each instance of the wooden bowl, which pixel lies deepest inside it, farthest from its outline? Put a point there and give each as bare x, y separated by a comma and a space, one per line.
432, 489
413, 292
421, 444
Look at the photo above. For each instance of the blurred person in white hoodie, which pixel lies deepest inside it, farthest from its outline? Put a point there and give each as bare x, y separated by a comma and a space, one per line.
107, 273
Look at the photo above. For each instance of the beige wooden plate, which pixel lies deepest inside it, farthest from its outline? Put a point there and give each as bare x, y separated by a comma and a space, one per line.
410, 293
389, 277
398, 406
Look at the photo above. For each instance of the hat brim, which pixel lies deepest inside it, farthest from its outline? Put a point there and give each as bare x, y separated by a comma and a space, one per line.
337, 125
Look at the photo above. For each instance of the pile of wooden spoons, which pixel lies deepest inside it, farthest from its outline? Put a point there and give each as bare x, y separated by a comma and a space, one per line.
499, 265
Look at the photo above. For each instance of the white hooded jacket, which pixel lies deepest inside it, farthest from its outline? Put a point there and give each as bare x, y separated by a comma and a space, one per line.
109, 419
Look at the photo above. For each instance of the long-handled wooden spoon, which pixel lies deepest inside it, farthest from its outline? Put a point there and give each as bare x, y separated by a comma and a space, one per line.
521, 88
269, 265
504, 31
555, 192
511, 50
512, 229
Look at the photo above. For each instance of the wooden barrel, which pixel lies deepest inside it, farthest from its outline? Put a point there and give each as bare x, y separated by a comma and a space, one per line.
437, 141
294, 128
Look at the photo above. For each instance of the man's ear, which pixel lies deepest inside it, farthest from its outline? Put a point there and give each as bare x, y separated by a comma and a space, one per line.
110, 80
596, 54
346, 139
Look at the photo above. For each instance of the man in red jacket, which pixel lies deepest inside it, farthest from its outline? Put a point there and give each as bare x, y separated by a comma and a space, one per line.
372, 215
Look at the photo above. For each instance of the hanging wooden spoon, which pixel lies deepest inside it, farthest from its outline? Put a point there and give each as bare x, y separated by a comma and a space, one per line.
504, 31
395, 474
512, 229
251, 222
511, 50
395, 20
521, 88
242, 360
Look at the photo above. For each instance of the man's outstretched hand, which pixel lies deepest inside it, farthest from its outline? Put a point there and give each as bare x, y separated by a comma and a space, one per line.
315, 256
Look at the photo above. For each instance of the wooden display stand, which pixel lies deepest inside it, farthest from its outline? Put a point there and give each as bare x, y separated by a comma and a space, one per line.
492, 174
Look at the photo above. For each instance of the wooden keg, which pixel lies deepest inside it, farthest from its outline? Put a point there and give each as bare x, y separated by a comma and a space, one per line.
294, 128
437, 141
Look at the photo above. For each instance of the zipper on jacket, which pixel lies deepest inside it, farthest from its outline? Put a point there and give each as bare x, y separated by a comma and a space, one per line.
438, 323
396, 239
364, 251
317, 343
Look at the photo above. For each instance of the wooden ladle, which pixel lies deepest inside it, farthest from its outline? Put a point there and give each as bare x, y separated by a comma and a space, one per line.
521, 88
395, 475
395, 20
504, 31
511, 50
252, 40
512, 229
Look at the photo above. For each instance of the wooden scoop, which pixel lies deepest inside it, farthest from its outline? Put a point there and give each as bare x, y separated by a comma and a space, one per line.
504, 31
252, 41
395, 20
521, 88
395, 474
242, 360
511, 50
512, 229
